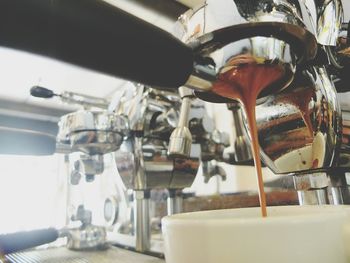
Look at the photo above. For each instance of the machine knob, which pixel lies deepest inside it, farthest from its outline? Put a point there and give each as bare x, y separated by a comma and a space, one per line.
41, 92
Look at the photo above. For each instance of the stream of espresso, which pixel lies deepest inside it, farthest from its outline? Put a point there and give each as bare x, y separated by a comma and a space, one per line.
243, 79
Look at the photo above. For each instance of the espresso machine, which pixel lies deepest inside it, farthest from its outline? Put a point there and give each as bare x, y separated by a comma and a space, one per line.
158, 140
303, 131
170, 135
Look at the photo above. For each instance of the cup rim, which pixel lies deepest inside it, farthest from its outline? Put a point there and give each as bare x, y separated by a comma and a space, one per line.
221, 218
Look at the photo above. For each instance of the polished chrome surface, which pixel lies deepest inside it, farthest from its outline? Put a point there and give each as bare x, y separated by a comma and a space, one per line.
312, 188
92, 132
339, 57
91, 120
211, 169
344, 158
181, 139
180, 142
329, 21
241, 145
337, 197
300, 129
174, 205
313, 197
142, 221
339, 187
174, 202
311, 181
111, 210
171, 204
90, 165
87, 237
84, 100
143, 161
271, 31
148, 166
95, 142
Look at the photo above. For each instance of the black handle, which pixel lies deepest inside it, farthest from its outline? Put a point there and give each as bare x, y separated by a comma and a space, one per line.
41, 92
96, 35
11, 243
26, 142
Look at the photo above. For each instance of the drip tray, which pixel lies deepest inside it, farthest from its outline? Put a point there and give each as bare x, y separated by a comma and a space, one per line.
63, 255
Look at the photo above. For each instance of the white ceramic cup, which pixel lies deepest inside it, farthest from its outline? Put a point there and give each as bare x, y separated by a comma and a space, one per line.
290, 234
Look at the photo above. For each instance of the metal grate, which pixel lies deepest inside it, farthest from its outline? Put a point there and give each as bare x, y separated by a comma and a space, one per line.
37, 257
63, 255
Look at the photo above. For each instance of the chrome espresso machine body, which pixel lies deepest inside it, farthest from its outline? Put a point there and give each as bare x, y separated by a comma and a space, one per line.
302, 131
155, 140
136, 131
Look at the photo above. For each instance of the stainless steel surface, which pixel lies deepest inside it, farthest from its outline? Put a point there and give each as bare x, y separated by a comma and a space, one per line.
91, 164
300, 129
270, 31
142, 161
344, 159
339, 187
174, 202
313, 189
62, 255
311, 181
150, 167
329, 20
84, 100
171, 204
87, 237
156, 170
181, 138
142, 221
313, 197
337, 198
111, 210
241, 145
210, 169
92, 132
83, 215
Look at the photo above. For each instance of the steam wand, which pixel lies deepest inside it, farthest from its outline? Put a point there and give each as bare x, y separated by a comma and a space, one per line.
181, 138
70, 97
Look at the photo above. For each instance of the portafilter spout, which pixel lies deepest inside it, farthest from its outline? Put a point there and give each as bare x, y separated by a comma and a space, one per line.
99, 36
272, 31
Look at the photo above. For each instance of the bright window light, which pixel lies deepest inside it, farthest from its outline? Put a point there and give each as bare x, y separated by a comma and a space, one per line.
32, 192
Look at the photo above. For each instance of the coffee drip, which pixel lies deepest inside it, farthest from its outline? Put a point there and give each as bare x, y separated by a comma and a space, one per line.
244, 78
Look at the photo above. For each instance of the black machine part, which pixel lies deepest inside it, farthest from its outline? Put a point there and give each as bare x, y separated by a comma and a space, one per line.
98, 36
10, 243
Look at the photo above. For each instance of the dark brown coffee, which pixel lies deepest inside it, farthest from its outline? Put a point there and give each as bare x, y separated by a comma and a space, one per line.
244, 79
